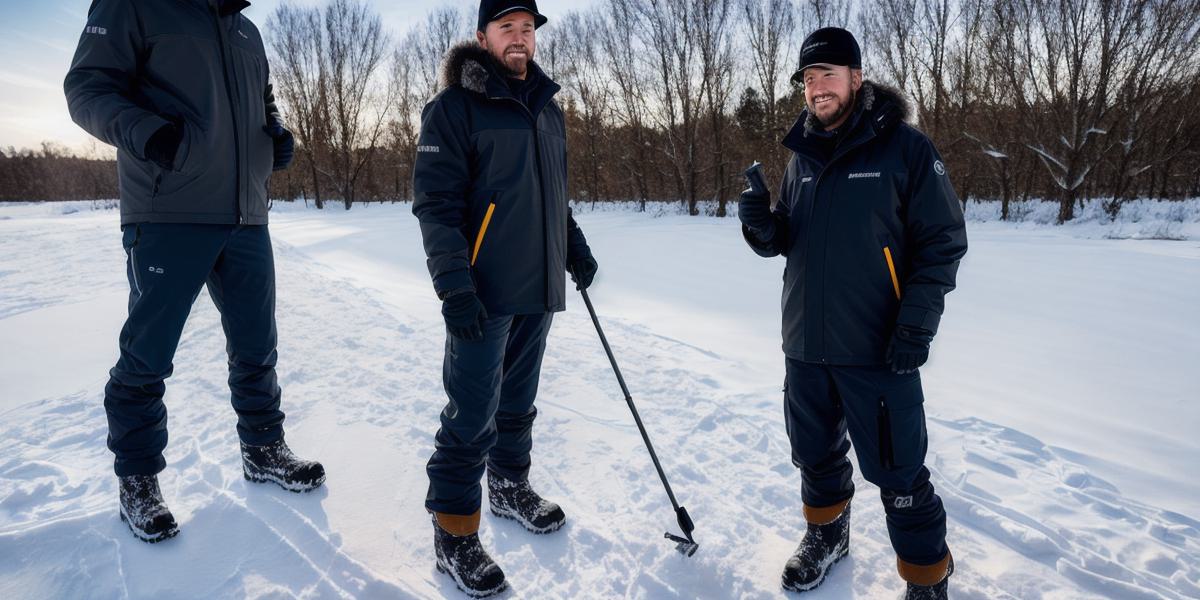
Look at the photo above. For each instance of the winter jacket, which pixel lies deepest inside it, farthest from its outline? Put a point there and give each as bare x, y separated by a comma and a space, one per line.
872, 231
491, 189
199, 64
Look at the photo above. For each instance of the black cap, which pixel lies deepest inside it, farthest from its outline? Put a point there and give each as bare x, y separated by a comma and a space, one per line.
828, 46
490, 10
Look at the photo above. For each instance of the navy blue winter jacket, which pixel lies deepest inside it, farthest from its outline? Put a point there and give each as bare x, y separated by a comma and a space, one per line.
872, 231
491, 189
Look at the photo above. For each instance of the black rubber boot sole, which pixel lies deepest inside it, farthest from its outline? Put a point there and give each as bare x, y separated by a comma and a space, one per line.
296, 487
147, 537
513, 516
503, 587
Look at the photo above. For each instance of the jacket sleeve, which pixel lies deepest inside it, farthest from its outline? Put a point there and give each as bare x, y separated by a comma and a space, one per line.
101, 83
937, 239
778, 244
577, 246
441, 177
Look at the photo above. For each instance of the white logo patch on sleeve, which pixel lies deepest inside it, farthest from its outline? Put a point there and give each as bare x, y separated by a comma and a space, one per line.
939, 168
94, 30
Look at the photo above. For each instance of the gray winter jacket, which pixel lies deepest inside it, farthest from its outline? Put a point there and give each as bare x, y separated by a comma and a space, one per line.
198, 64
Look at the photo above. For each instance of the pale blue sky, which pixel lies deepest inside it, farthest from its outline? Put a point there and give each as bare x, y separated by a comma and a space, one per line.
37, 39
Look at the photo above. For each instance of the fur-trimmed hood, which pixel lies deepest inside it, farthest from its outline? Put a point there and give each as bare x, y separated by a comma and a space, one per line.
871, 97
466, 63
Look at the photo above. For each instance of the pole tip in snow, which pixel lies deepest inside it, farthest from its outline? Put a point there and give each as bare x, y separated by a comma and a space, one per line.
683, 545
688, 545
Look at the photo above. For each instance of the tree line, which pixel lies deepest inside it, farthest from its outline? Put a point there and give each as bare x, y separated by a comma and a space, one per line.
669, 100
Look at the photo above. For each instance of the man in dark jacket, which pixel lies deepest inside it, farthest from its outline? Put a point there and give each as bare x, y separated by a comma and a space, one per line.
873, 234
182, 90
491, 196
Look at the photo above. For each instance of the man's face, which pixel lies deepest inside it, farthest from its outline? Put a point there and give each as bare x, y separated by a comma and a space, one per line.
511, 39
830, 92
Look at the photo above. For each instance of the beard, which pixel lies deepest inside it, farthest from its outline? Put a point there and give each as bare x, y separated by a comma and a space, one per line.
513, 65
841, 110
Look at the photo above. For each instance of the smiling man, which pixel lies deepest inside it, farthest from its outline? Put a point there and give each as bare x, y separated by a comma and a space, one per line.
873, 233
491, 196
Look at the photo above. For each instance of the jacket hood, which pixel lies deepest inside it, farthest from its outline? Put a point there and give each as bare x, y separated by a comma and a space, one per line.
466, 64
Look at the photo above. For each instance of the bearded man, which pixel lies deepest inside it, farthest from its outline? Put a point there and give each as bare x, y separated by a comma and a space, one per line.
873, 234
491, 196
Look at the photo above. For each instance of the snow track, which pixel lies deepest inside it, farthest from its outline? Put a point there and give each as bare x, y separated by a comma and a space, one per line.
360, 365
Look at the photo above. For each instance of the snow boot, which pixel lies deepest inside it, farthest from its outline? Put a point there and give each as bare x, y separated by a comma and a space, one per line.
927, 583
143, 510
516, 500
276, 463
826, 542
462, 557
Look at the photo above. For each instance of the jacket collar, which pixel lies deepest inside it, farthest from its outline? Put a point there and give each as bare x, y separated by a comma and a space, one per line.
878, 109
470, 66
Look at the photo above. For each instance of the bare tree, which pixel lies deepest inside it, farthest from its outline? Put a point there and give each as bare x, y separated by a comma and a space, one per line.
714, 32
771, 35
622, 46
582, 71
669, 33
297, 45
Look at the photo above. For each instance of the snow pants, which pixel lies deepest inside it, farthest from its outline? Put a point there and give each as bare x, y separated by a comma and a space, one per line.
488, 421
167, 265
884, 416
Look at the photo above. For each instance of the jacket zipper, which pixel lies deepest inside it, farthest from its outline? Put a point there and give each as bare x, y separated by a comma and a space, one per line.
537, 151
824, 253
237, 143
487, 218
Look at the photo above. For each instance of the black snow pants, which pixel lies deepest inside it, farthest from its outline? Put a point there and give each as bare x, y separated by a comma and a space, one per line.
167, 265
884, 416
488, 421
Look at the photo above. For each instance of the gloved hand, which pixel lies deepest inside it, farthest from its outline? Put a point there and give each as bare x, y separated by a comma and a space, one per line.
285, 145
161, 147
583, 271
754, 211
464, 315
909, 349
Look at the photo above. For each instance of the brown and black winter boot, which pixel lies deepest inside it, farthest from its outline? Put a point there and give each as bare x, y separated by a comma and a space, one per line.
516, 500
927, 582
825, 543
462, 557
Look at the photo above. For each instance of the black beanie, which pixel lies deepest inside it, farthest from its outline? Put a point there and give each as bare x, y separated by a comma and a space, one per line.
490, 10
828, 46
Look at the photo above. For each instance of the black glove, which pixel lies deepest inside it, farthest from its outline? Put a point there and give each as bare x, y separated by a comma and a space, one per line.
464, 315
754, 211
909, 349
285, 145
161, 147
583, 271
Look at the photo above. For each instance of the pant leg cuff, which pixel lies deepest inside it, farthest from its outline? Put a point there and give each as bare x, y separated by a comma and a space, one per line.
141, 466
925, 575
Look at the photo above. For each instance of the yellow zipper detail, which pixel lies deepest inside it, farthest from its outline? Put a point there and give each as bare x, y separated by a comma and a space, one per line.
487, 218
887, 253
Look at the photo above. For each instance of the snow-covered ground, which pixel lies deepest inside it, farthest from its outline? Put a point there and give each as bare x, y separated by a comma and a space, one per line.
1062, 399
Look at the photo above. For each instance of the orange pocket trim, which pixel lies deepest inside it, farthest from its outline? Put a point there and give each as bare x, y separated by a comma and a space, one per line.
487, 218
887, 253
